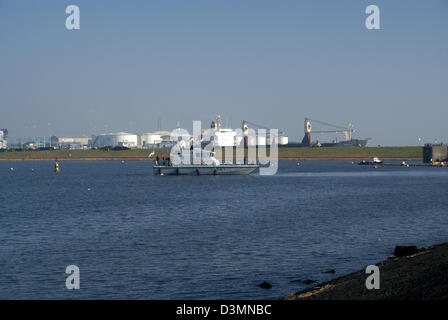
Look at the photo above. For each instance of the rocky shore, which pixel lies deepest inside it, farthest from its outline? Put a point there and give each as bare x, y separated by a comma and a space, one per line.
421, 275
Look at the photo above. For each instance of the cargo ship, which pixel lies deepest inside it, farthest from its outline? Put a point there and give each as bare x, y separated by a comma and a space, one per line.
348, 141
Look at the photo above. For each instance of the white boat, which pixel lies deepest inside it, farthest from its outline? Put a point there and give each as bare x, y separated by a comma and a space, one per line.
212, 167
198, 170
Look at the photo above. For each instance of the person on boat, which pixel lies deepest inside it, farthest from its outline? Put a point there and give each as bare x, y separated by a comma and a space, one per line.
157, 160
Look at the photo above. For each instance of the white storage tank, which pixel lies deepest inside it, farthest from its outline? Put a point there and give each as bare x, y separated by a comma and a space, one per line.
261, 140
150, 139
252, 140
283, 140
120, 139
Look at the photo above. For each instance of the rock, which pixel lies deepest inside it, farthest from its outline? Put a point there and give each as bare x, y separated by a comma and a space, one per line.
309, 281
403, 251
265, 285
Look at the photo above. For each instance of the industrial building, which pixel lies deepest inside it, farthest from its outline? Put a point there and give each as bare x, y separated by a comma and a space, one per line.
435, 153
71, 143
220, 137
119, 139
3, 139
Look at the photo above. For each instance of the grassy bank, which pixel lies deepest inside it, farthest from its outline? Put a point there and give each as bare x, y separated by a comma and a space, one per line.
74, 154
401, 153
413, 152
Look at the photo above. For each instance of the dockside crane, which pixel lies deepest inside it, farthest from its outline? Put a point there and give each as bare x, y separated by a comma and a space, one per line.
282, 137
347, 132
263, 127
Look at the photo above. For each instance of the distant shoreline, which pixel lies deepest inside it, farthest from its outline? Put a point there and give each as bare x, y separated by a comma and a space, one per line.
149, 160
411, 153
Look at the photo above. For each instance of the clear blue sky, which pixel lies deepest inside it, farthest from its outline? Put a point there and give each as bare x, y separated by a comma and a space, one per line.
270, 62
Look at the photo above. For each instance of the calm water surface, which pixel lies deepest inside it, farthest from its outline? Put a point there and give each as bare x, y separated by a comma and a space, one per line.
137, 236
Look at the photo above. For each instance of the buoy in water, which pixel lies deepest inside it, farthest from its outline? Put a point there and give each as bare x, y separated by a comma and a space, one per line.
56, 167
298, 163
11, 169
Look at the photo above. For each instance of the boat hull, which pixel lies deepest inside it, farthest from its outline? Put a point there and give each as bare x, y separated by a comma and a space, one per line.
192, 170
348, 143
345, 144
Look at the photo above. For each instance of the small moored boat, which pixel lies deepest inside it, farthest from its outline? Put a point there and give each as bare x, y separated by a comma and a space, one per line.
197, 170
212, 167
